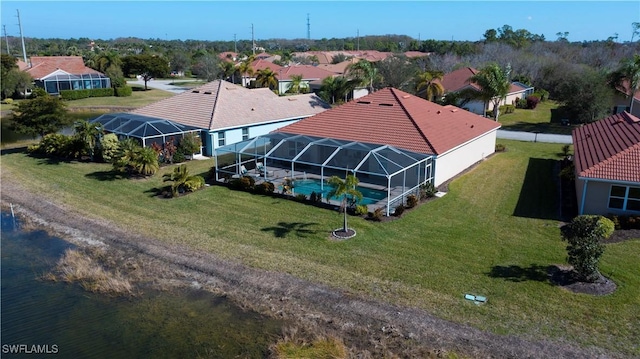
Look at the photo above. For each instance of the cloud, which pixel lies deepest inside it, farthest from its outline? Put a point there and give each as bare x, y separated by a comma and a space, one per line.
529, 17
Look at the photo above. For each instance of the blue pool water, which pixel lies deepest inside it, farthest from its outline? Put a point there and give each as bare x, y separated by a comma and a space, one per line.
306, 186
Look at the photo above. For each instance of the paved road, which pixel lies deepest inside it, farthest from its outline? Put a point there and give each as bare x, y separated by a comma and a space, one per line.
161, 85
534, 137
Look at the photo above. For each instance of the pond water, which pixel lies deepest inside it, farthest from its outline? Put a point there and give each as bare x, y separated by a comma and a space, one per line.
8, 136
73, 323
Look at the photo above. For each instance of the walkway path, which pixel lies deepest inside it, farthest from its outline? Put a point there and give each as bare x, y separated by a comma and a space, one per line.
165, 85
534, 137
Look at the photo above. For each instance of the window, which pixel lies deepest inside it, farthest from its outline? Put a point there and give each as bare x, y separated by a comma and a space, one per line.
221, 141
245, 134
624, 198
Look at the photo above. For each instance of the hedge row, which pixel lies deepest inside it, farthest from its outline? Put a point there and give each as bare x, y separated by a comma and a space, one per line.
124, 91
78, 94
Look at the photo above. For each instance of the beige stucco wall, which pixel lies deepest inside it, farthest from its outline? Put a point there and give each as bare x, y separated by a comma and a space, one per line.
459, 159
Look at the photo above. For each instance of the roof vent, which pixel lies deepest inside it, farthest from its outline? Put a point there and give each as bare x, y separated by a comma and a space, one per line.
406, 96
292, 99
365, 102
196, 91
454, 110
439, 112
207, 92
385, 104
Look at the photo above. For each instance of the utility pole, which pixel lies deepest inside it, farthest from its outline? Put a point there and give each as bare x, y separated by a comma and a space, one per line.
6, 38
308, 28
235, 44
253, 41
24, 52
358, 36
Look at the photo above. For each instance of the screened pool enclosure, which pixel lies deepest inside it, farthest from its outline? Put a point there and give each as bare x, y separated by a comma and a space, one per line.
148, 130
56, 83
276, 156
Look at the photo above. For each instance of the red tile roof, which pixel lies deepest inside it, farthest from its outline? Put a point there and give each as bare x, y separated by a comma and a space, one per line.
221, 104
308, 72
458, 79
258, 65
609, 148
41, 66
396, 118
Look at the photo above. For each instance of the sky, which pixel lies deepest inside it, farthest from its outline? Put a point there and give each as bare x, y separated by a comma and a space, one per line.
226, 20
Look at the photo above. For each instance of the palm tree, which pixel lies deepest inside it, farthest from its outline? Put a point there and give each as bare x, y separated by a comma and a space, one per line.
179, 177
106, 60
346, 188
126, 153
627, 76
267, 78
337, 88
228, 70
245, 68
296, 84
494, 86
365, 72
427, 85
88, 134
145, 161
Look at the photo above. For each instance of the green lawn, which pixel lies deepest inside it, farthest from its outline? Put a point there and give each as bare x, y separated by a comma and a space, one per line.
139, 98
493, 234
545, 118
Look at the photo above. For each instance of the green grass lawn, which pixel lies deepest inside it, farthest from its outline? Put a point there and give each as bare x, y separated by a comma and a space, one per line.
545, 118
139, 98
493, 234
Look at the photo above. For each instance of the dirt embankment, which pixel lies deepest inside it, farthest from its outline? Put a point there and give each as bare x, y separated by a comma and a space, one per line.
370, 328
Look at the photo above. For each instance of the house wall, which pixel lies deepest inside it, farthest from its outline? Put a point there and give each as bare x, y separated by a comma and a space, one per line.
512, 98
474, 106
621, 104
596, 198
234, 135
283, 85
450, 164
360, 92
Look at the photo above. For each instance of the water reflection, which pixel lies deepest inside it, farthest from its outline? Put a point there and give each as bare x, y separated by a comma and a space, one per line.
189, 324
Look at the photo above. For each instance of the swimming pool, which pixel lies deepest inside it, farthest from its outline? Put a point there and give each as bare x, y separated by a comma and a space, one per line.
306, 186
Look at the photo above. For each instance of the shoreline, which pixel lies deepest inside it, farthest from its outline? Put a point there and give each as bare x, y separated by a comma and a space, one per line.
369, 328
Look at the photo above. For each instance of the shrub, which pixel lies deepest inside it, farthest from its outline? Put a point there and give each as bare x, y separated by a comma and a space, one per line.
584, 250
543, 95
506, 109
427, 190
377, 214
301, 197
315, 197
265, 188
361, 209
247, 183
194, 183
7, 101
568, 173
398, 210
190, 144
566, 150
489, 114
123, 91
412, 201
532, 101
109, 147
56, 145
500, 147
521, 103
79, 94
178, 156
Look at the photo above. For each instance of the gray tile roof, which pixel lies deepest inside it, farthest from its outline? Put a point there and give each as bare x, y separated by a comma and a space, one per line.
221, 104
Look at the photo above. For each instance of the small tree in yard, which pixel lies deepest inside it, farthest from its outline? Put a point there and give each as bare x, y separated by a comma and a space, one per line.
346, 188
40, 116
183, 180
584, 250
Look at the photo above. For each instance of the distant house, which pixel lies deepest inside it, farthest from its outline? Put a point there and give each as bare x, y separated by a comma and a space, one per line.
228, 113
258, 65
309, 74
58, 73
622, 101
458, 80
607, 165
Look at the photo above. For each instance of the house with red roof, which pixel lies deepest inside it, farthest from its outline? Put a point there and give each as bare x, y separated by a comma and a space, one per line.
258, 65
58, 73
229, 113
309, 74
607, 165
622, 100
458, 80
456, 138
